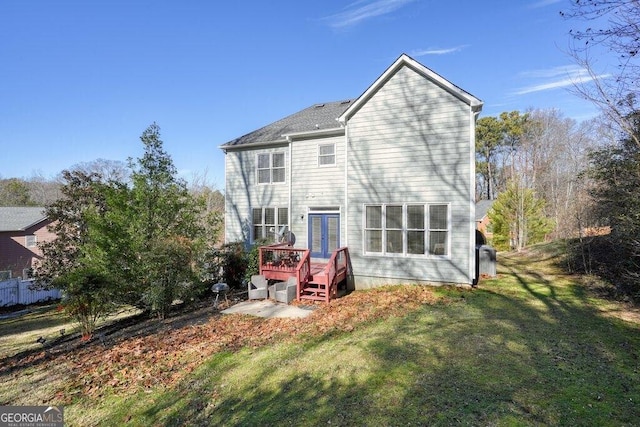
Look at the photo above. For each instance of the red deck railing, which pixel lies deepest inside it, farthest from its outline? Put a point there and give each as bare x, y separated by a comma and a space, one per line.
281, 261
323, 286
317, 282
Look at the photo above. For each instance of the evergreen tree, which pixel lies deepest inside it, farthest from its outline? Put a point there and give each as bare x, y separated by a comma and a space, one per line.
162, 218
517, 218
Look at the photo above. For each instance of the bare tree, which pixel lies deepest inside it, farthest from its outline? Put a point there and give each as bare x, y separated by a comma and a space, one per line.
44, 191
612, 26
107, 170
212, 217
550, 159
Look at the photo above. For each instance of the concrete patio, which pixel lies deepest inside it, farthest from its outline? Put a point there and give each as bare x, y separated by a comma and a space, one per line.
268, 308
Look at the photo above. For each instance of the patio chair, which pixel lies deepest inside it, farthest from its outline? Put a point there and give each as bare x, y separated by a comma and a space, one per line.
284, 291
258, 287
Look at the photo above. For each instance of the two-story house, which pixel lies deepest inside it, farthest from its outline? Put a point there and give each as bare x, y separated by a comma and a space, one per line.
390, 175
21, 228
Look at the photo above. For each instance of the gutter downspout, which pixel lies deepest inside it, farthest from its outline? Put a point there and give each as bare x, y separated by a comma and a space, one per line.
226, 203
473, 117
346, 185
290, 186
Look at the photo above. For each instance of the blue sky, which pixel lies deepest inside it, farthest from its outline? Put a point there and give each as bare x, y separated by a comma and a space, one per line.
81, 80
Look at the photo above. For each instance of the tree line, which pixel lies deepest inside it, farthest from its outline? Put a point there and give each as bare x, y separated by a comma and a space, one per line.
553, 178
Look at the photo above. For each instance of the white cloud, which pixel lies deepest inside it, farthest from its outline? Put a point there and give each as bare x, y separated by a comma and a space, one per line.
543, 3
555, 78
363, 10
434, 51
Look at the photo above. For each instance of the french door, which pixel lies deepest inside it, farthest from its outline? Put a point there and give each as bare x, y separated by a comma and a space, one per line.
324, 234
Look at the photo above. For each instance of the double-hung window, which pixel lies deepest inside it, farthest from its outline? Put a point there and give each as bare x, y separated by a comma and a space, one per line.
271, 168
268, 222
326, 154
407, 229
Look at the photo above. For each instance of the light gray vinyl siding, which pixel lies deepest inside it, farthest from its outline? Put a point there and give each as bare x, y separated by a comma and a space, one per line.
410, 143
315, 186
243, 192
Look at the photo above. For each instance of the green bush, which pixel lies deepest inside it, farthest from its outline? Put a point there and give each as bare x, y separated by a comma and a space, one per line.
227, 264
168, 268
88, 296
253, 259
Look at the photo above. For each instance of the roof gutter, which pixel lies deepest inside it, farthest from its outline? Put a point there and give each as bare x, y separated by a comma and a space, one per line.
314, 133
283, 141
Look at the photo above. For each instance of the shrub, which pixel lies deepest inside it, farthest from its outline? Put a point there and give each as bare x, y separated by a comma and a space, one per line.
253, 259
168, 268
88, 296
227, 264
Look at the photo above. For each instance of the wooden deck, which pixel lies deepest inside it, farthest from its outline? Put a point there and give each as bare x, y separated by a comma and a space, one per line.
317, 281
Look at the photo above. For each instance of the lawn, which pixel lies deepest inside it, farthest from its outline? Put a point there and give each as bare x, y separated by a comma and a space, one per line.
531, 347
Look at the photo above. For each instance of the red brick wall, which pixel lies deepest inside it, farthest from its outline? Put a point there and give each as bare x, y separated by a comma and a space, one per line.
15, 255
482, 226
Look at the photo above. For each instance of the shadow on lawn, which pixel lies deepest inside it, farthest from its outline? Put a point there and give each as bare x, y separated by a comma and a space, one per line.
107, 335
538, 354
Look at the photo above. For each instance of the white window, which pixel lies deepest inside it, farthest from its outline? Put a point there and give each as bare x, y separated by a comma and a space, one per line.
326, 154
373, 229
407, 229
267, 222
271, 168
438, 229
30, 240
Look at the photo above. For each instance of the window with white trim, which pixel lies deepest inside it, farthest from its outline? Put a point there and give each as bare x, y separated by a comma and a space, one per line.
268, 221
407, 229
271, 168
438, 229
30, 240
326, 154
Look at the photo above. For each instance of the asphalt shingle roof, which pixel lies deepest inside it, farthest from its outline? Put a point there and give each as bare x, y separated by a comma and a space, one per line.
20, 218
482, 208
316, 117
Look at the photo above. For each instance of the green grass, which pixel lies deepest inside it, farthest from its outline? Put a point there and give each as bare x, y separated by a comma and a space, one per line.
19, 334
531, 347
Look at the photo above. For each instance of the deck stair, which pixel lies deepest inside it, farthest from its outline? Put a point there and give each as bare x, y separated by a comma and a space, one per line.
317, 281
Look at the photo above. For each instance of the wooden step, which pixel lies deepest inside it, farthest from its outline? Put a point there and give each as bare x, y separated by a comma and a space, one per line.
313, 292
313, 297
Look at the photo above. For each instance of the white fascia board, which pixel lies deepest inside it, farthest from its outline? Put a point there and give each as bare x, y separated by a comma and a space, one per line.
314, 133
405, 60
277, 142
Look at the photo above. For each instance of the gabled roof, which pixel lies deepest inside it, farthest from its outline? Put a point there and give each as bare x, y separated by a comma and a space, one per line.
330, 117
318, 118
482, 208
405, 60
20, 218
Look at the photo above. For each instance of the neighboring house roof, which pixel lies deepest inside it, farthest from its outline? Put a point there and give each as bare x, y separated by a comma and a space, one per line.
482, 208
20, 218
405, 60
316, 119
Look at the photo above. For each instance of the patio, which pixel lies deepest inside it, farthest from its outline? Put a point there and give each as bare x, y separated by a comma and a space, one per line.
269, 309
